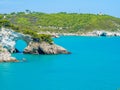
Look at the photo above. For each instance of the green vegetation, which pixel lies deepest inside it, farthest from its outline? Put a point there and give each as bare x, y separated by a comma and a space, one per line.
63, 22
36, 37
6, 23
39, 37
34, 22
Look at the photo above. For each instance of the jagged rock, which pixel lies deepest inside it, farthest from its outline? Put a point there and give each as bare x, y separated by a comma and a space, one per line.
44, 48
5, 56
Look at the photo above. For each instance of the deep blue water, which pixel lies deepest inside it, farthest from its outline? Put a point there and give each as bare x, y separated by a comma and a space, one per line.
93, 65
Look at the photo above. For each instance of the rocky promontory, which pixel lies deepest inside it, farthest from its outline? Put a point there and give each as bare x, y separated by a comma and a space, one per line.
44, 48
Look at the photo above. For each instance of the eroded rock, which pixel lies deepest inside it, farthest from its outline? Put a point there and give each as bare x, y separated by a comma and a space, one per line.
44, 48
9, 37
5, 56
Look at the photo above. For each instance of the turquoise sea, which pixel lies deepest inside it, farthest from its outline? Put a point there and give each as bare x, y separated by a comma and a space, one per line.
93, 65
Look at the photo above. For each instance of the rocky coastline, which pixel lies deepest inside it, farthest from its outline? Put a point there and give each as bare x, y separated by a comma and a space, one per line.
93, 33
9, 37
102, 33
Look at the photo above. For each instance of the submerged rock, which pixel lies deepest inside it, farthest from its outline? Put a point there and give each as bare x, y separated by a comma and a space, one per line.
44, 48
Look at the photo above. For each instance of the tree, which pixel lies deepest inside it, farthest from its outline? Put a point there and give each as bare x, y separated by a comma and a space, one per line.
27, 11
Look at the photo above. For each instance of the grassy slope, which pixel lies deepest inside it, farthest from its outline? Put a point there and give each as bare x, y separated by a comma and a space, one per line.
63, 22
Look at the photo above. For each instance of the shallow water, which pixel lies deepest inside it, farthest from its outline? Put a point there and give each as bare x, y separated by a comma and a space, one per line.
93, 65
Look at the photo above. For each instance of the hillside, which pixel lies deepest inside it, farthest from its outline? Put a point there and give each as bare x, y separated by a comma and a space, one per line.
62, 22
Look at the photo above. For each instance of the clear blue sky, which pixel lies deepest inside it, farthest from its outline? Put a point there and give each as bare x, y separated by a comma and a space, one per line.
111, 7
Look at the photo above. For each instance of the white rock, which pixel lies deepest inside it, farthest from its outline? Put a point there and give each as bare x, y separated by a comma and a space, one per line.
9, 37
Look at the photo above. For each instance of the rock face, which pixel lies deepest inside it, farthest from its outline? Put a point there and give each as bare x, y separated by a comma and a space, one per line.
5, 56
44, 48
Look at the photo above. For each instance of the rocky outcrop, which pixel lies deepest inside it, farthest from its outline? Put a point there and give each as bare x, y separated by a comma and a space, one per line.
44, 48
5, 56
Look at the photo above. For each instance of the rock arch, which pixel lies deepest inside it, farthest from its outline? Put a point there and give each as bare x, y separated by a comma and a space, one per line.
8, 39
